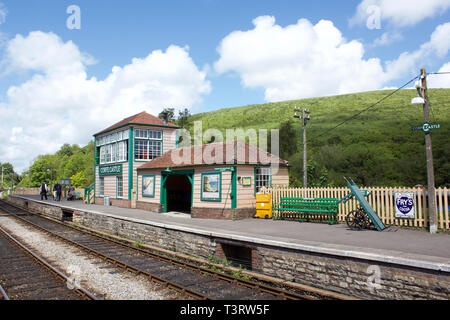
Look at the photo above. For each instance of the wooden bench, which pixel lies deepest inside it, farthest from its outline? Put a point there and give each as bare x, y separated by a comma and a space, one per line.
307, 208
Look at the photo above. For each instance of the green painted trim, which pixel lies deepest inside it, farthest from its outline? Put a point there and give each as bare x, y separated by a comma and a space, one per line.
136, 124
113, 163
154, 184
130, 161
179, 172
233, 194
95, 178
254, 184
220, 186
192, 188
137, 187
176, 138
163, 192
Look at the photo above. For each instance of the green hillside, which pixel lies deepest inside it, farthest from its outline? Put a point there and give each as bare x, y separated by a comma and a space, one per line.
376, 148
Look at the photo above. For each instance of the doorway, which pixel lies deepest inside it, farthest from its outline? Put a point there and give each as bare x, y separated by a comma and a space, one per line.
176, 191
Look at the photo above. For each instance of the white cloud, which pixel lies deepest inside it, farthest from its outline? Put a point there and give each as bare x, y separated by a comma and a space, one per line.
408, 63
3, 13
387, 38
59, 104
305, 60
300, 60
440, 80
400, 12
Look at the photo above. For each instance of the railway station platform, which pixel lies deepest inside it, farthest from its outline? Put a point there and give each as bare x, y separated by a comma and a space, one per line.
408, 263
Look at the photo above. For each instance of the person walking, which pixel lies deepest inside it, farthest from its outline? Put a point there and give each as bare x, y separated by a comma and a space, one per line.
44, 190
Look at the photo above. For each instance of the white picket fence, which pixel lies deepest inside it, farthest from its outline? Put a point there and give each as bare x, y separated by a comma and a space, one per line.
382, 200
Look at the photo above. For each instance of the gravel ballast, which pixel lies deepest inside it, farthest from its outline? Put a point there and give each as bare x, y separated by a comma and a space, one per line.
104, 279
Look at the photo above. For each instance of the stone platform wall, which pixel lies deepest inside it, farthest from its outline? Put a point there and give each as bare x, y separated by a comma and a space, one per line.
347, 275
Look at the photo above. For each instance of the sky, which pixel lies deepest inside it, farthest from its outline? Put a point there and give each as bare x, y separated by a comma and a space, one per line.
69, 69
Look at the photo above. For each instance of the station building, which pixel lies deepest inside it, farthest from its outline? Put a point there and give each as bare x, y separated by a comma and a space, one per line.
139, 165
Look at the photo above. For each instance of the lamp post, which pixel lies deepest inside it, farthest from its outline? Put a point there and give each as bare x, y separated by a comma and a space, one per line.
51, 185
422, 98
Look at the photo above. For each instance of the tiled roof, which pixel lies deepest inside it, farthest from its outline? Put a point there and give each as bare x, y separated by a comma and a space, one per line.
234, 152
140, 118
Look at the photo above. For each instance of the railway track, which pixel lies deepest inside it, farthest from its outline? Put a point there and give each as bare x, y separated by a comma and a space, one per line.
190, 279
26, 276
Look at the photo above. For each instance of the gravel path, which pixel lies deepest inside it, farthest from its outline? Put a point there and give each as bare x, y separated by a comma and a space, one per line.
107, 281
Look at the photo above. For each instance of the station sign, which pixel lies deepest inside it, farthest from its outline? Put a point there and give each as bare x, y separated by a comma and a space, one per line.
66, 182
426, 127
224, 169
404, 205
246, 181
110, 170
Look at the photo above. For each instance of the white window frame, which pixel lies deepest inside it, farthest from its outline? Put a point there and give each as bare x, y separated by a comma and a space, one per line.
263, 178
154, 141
119, 187
101, 187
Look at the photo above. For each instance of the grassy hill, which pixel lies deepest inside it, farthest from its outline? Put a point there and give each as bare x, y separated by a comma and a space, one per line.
376, 148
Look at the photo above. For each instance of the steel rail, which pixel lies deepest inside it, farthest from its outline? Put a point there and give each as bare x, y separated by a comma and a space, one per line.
3, 294
280, 292
80, 290
115, 262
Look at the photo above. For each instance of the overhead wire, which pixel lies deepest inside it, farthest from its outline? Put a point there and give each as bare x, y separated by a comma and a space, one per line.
368, 108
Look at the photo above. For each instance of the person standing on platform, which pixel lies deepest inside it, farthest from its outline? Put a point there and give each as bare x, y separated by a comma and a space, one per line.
71, 194
58, 191
44, 190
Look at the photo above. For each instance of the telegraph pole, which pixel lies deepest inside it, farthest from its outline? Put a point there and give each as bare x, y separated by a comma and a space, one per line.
429, 150
304, 117
422, 90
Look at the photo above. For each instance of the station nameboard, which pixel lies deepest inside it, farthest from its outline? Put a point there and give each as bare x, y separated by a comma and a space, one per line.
66, 182
110, 170
223, 169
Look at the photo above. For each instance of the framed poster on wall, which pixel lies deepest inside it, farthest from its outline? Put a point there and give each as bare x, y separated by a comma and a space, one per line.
211, 186
148, 186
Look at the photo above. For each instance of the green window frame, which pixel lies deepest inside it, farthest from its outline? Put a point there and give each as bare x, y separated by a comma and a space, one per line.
202, 198
143, 188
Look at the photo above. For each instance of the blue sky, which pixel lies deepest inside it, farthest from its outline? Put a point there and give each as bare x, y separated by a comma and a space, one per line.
235, 53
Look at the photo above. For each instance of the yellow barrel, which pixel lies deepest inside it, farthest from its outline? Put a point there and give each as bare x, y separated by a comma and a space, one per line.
263, 206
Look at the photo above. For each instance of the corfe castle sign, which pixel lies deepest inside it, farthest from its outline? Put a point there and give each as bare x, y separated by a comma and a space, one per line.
427, 127
110, 170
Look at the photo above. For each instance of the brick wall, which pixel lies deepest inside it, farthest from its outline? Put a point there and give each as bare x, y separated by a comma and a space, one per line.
153, 207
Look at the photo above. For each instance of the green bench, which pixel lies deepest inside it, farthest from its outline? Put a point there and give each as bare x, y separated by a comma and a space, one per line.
306, 209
